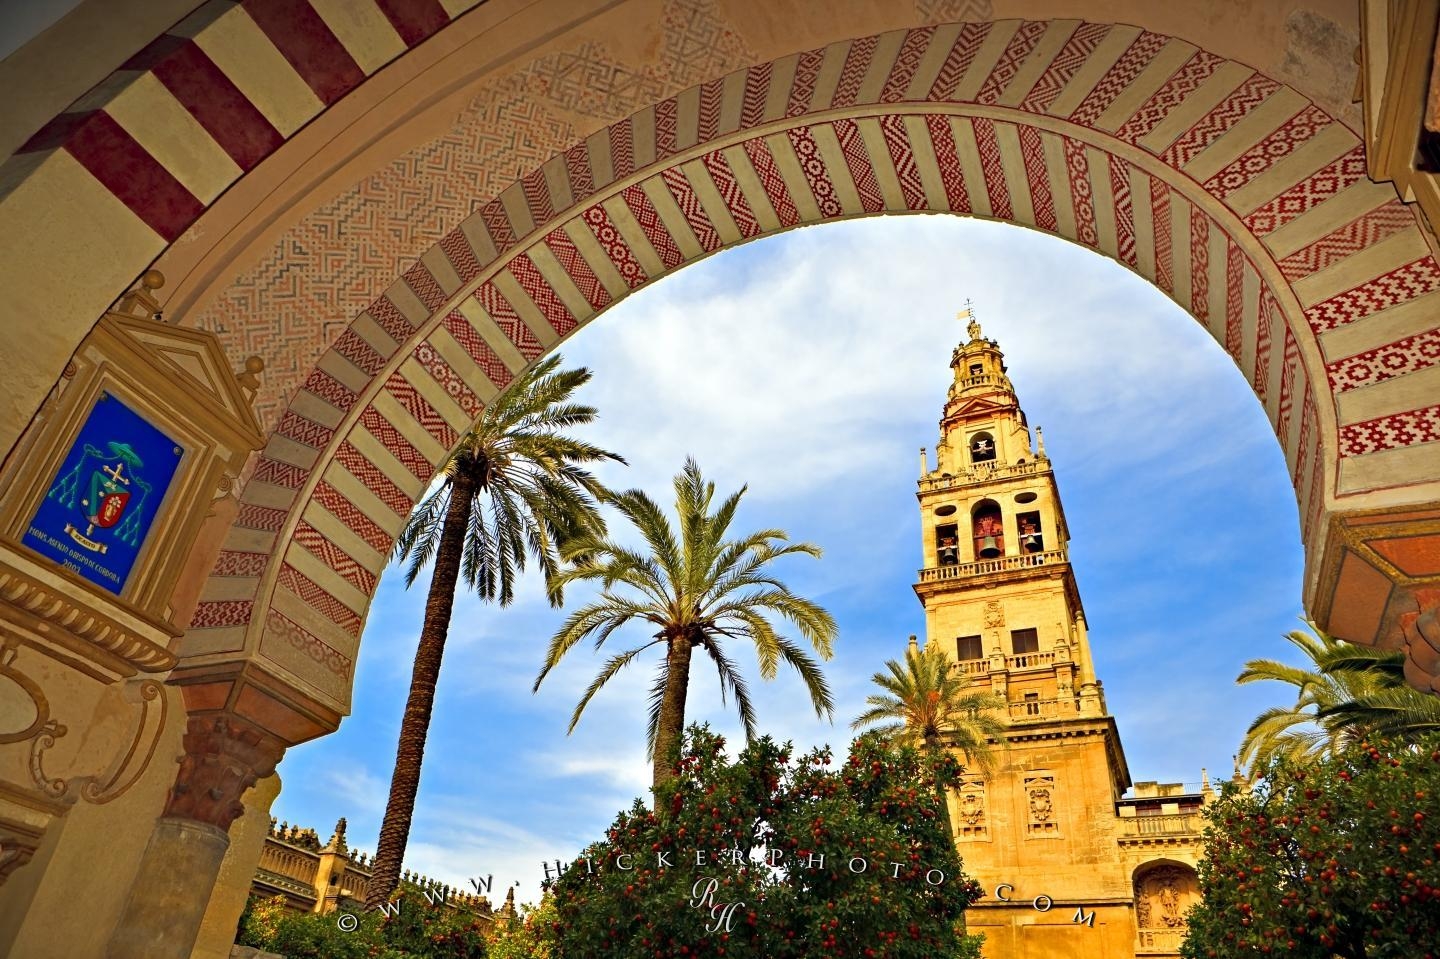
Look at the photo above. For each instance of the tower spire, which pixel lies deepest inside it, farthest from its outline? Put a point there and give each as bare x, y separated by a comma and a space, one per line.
969, 314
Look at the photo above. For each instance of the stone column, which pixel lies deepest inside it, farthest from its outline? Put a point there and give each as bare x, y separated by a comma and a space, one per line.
224, 756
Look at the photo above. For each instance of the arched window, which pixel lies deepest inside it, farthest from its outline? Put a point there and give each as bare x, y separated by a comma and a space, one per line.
988, 529
982, 448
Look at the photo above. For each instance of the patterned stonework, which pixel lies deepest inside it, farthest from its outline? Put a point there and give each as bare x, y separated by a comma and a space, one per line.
1245, 202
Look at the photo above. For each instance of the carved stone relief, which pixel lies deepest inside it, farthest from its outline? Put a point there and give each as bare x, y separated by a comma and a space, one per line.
1040, 801
1162, 897
971, 821
994, 614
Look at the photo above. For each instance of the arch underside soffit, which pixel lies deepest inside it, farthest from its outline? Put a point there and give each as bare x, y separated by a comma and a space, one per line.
1241, 199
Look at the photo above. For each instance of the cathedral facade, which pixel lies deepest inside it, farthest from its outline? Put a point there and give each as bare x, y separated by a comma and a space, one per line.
1076, 859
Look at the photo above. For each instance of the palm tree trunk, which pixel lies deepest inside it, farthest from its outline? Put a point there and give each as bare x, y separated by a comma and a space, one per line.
932, 746
415, 726
671, 727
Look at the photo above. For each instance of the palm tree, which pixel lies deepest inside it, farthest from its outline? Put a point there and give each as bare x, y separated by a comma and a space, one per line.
1350, 693
928, 704
696, 592
514, 488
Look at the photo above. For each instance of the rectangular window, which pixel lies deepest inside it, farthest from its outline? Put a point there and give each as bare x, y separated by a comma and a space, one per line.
969, 648
1024, 641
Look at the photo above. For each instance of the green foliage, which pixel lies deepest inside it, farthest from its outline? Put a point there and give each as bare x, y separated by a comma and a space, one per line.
1335, 857
1353, 692
529, 937
418, 931
878, 808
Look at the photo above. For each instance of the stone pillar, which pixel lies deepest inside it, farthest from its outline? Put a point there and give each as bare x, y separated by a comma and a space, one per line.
237, 872
224, 756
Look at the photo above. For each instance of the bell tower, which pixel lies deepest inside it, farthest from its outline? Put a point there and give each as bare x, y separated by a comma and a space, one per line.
1001, 601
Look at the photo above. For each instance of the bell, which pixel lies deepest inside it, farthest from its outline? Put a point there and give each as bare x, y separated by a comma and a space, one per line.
1031, 542
989, 549
948, 555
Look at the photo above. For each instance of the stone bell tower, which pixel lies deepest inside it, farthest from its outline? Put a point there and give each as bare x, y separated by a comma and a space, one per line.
1001, 600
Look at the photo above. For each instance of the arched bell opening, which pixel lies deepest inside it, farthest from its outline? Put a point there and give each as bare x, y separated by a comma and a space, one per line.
988, 530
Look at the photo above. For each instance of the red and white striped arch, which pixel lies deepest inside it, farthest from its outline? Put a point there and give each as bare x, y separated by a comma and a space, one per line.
1239, 198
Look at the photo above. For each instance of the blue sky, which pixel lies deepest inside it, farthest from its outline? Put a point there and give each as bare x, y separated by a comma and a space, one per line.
812, 366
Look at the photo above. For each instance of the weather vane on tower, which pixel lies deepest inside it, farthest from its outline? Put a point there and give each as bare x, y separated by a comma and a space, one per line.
969, 314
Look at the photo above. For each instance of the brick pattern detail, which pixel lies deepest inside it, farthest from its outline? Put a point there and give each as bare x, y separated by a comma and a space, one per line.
757, 88
1164, 241
807, 151
318, 599
770, 178
264, 518
1398, 286
655, 231
857, 161
1058, 74
324, 386
474, 344
995, 186
1234, 304
1174, 92
1269, 315
1289, 364
308, 643
336, 558
667, 120
359, 352
578, 268
279, 473
542, 294
420, 409
1010, 62
615, 246
1408, 355
1410, 428
1124, 210
942, 141
457, 249
907, 61
683, 193
1348, 240
374, 479
729, 189
1082, 193
1038, 176
902, 156
232, 562
397, 443
1214, 124
450, 381
1199, 264
425, 287
1135, 59
222, 613
802, 88
352, 517
622, 150
857, 62
958, 60
1269, 151
1308, 193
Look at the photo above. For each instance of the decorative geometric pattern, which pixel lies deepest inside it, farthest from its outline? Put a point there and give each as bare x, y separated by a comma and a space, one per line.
1308, 193
1348, 240
1176, 90
1218, 121
857, 61
1010, 61
1134, 60
1082, 194
1413, 353
299, 298
311, 645
1410, 428
902, 156
995, 187
1397, 286
1038, 176
857, 160
1062, 69
1269, 151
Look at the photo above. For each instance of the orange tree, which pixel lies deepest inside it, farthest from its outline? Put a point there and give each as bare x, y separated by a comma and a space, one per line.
1334, 858
770, 856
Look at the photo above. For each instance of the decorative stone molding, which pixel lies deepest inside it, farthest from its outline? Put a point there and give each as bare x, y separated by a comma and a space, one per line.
1040, 802
222, 759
